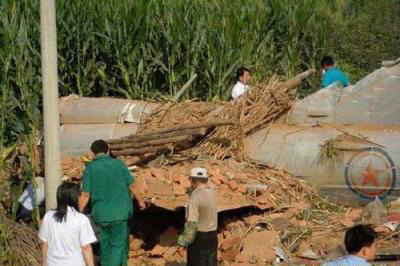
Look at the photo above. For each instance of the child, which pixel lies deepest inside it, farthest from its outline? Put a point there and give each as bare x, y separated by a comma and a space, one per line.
360, 244
66, 234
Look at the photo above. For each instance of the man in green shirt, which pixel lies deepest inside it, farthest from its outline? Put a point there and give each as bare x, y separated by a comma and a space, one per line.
108, 184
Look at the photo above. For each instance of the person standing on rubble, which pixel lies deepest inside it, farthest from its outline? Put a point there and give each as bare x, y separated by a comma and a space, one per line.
332, 74
200, 233
108, 184
243, 78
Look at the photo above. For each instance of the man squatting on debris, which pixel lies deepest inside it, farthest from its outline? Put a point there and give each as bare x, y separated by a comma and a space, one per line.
109, 185
243, 78
200, 233
360, 244
31, 197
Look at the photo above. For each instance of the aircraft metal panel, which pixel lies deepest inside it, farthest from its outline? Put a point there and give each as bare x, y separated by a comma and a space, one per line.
76, 138
366, 163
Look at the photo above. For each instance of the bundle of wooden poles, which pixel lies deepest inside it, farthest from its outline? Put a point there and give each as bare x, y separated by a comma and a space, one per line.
143, 146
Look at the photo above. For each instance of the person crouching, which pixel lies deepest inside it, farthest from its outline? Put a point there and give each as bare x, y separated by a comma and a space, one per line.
200, 233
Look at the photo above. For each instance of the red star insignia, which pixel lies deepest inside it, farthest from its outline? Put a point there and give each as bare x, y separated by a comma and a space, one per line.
369, 176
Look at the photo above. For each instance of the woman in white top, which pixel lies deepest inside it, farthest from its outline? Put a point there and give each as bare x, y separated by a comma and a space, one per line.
243, 78
66, 234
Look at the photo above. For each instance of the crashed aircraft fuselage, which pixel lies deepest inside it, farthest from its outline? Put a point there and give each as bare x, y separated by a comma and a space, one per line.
344, 141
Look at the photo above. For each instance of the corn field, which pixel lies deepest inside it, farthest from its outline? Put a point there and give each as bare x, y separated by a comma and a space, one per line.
148, 49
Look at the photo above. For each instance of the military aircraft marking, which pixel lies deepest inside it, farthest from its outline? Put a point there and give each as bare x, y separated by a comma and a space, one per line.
371, 172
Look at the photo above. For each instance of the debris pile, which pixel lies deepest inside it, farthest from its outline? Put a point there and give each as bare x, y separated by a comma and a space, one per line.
73, 168
238, 184
265, 215
223, 126
19, 243
246, 194
173, 114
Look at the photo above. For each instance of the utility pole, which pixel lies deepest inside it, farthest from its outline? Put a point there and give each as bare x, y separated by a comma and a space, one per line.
48, 34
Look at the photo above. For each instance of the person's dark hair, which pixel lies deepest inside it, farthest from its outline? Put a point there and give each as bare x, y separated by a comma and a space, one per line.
67, 195
240, 72
359, 236
99, 146
327, 61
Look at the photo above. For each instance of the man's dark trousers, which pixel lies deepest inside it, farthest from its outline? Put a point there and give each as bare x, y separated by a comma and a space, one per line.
203, 250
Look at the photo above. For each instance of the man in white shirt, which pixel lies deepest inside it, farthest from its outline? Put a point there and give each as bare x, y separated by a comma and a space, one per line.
243, 78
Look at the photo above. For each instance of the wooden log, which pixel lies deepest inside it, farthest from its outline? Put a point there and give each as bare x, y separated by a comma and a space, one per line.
193, 132
153, 149
206, 124
131, 160
135, 160
156, 142
296, 81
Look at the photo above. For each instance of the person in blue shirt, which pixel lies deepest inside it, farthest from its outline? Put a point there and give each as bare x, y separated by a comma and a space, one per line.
360, 244
331, 74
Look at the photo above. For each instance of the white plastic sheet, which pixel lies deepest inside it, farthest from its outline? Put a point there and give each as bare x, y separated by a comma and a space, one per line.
85, 110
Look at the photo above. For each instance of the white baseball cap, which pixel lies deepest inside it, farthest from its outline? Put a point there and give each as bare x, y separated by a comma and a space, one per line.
199, 172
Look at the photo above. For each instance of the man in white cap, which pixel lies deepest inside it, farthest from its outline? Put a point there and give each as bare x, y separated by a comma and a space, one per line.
200, 234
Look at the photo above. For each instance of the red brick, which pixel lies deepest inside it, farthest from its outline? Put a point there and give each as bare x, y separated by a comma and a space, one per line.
184, 181
230, 255
242, 189
230, 243
158, 173
216, 181
158, 251
135, 244
176, 178
170, 252
179, 189
233, 184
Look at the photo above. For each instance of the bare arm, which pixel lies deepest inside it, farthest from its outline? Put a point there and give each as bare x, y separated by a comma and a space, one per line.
44, 247
83, 200
88, 255
137, 196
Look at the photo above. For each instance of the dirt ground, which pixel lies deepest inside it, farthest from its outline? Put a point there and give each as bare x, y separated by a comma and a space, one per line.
265, 216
